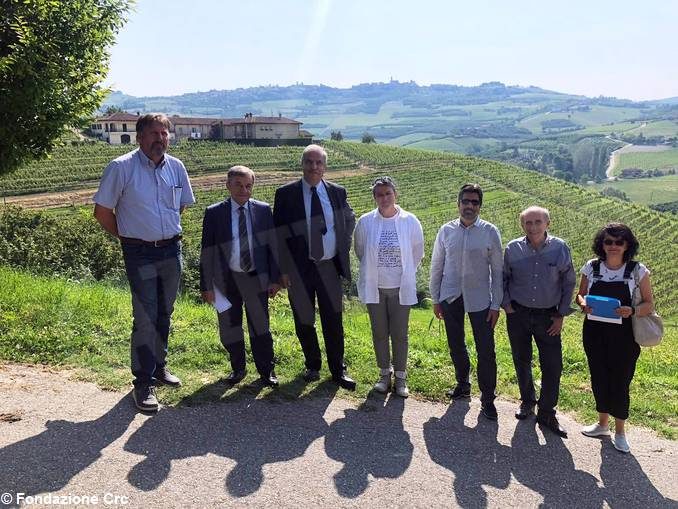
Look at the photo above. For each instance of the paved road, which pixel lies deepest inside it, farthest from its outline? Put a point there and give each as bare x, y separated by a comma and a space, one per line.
73, 440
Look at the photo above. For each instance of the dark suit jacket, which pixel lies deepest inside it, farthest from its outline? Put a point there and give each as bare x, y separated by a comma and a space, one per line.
217, 242
289, 216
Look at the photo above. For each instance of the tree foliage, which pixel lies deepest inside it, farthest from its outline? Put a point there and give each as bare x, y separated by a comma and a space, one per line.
53, 58
336, 136
368, 138
614, 193
112, 109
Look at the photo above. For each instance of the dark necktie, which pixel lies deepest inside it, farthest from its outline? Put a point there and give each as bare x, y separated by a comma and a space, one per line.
317, 226
245, 259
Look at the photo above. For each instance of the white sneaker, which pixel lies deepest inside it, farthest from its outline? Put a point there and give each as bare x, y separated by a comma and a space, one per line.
595, 430
401, 387
383, 384
620, 443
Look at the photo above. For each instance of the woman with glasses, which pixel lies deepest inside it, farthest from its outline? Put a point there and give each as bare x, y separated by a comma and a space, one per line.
389, 243
610, 347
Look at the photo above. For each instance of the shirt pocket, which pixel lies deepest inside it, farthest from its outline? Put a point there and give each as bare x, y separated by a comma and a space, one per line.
553, 272
171, 195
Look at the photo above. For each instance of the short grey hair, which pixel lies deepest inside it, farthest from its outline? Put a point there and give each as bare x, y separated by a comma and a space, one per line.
240, 171
314, 148
535, 208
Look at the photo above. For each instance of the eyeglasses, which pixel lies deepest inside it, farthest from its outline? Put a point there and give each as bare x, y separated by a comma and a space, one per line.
466, 201
618, 242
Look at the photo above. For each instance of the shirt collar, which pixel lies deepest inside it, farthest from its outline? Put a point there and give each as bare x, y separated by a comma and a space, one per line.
474, 224
235, 206
307, 186
547, 240
147, 163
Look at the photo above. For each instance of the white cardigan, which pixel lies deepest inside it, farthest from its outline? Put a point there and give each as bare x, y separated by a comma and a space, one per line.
366, 243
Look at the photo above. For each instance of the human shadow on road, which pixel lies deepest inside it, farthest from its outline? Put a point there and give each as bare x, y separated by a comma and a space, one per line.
473, 454
548, 469
252, 432
369, 440
47, 462
625, 483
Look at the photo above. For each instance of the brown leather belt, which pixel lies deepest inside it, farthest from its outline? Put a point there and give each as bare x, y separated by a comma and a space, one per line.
154, 243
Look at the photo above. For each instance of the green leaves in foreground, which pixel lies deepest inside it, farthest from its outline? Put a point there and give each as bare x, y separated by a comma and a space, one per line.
53, 59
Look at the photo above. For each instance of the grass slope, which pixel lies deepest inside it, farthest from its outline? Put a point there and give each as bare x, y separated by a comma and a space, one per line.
648, 190
648, 160
62, 323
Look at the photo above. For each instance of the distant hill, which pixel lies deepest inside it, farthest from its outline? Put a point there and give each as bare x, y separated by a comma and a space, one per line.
567, 136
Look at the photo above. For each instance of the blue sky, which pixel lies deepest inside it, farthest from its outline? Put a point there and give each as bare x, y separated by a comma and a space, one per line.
595, 47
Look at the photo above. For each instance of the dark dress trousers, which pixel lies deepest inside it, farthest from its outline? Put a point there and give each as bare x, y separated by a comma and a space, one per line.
311, 280
241, 288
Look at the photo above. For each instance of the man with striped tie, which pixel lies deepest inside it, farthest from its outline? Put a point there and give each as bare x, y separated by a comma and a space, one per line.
238, 267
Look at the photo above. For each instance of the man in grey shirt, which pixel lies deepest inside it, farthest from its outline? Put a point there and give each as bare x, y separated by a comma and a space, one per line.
139, 201
466, 277
538, 284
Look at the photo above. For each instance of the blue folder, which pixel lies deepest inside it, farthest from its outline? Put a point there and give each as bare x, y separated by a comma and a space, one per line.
603, 308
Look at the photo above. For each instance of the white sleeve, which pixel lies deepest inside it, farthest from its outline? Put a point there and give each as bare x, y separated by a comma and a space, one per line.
587, 270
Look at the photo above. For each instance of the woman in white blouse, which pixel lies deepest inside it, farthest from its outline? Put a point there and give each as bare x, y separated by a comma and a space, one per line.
610, 347
389, 243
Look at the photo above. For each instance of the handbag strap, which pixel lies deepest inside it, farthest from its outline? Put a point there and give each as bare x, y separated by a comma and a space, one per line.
636, 298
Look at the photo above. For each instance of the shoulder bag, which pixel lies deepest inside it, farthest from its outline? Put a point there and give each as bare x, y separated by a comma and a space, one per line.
647, 330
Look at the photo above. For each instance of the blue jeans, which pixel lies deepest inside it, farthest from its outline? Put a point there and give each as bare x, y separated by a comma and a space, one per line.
153, 274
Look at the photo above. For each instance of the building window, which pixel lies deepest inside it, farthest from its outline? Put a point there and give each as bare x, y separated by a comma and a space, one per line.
124, 128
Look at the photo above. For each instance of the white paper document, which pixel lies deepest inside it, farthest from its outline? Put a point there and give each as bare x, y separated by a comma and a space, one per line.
221, 303
605, 319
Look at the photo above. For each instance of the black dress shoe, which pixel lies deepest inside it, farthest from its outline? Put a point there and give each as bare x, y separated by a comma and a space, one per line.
345, 382
525, 410
271, 380
236, 377
489, 411
550, 422
163, 376
311, 375
459, 392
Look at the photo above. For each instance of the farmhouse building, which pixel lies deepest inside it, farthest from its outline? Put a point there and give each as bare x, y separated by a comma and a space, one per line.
119, 128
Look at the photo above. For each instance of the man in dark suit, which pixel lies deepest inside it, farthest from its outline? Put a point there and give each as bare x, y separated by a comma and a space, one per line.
238, 261
315, 225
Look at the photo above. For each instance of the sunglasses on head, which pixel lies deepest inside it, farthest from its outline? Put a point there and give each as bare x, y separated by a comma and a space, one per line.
618, 242
466, 201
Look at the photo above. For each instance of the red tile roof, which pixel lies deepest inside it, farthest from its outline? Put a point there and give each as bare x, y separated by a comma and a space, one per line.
177, 120
119, 117
264, 120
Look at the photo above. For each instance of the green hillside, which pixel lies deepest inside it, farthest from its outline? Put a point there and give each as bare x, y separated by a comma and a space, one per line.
656, 160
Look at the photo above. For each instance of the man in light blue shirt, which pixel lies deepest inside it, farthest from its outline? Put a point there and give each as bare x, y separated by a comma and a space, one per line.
538, 284
466, 277
140, 199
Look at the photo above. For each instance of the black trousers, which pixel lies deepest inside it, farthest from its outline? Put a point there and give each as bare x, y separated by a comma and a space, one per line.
523, 325
483, 335
245, 289
612, 354
322, 282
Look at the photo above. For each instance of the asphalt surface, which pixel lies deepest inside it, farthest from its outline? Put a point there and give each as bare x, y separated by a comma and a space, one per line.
68, 443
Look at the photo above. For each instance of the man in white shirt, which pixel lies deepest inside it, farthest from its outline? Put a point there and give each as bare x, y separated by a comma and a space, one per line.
466, 277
